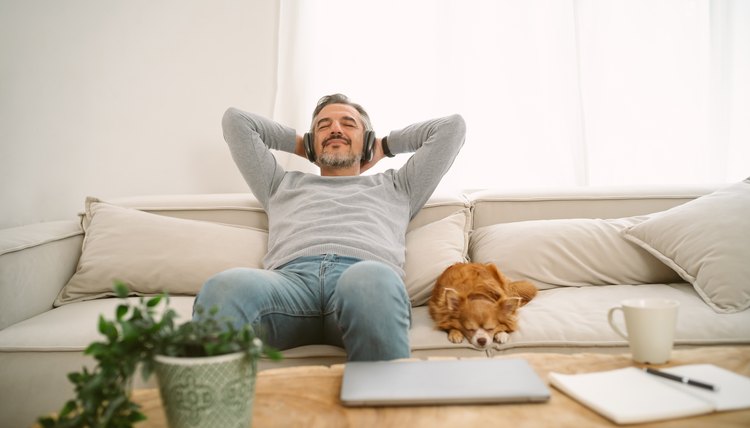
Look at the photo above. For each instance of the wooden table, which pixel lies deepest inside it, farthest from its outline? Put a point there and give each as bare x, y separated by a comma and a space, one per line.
308, 396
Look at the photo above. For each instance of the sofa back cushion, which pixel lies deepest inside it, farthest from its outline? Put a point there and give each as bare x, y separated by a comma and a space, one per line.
152, 253
568, 252
174, 243
706, 241
557, 237
499, 206
239, 209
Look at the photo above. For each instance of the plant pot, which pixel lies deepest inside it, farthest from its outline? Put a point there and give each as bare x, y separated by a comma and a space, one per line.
207, 391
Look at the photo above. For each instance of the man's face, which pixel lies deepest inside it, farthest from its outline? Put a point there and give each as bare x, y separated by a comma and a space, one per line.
339, 136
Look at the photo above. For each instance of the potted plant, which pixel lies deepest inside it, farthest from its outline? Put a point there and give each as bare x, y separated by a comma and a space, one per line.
185, 358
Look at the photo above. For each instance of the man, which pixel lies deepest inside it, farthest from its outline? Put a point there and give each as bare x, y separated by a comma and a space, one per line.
336, 245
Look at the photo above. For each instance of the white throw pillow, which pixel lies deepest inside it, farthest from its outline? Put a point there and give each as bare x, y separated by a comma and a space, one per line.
706, 241
430, 249
152, 253
568, 252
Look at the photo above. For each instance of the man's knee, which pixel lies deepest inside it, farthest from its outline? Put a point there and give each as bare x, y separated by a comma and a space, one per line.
235, 292
374, 312
219, 287
368, 282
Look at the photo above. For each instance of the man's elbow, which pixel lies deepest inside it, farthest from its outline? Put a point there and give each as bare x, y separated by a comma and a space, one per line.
457, 124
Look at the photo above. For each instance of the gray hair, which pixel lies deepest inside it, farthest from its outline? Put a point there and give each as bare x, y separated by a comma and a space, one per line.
341, 99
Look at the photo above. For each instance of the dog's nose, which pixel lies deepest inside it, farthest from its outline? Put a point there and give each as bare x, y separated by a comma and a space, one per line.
481, 341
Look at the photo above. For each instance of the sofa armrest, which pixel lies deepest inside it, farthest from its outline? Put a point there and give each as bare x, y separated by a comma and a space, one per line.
36, 261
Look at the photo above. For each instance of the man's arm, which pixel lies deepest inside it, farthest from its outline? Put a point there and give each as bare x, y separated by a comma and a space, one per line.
249, 137
435, 144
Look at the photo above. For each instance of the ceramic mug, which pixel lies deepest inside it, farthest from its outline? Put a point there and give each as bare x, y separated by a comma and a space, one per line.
650, 326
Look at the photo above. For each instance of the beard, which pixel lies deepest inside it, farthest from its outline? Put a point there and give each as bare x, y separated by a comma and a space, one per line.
339, 160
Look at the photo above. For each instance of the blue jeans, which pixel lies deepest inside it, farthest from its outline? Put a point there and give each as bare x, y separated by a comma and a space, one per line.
361, 306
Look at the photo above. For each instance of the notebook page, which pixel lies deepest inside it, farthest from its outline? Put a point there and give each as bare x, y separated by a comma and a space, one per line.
629, 395
734, 389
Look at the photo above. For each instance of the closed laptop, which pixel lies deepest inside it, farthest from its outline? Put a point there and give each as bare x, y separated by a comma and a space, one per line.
425, 382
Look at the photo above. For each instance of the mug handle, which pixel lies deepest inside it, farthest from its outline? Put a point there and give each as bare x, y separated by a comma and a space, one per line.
610, 317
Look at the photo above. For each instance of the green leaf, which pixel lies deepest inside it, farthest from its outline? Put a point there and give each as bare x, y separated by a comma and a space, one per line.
272, 354
97, 349
107, 328
75, 377
46, 422
68, 408
121, 311
129, 332
113, 408
121, 290
136, 416
154, 301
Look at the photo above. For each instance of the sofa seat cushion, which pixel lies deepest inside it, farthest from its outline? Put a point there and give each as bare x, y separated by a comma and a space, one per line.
72, 327
582, 322
568, 317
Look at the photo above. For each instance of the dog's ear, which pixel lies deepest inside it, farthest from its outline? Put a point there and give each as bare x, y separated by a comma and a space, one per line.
496, 273
452, 298
509, 305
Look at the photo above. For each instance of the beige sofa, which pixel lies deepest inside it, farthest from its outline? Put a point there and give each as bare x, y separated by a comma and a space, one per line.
585, 248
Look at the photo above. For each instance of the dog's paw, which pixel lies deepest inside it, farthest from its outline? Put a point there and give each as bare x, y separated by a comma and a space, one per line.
502, 337
455, 336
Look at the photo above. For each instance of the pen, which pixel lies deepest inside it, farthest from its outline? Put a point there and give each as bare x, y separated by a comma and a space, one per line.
681, 379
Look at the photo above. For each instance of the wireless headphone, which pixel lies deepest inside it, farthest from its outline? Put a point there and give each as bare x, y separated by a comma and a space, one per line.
367, 147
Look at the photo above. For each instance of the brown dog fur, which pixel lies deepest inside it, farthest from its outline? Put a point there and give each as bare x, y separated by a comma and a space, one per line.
477, 301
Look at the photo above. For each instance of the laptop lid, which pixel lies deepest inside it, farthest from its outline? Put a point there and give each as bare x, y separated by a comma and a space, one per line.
394, 383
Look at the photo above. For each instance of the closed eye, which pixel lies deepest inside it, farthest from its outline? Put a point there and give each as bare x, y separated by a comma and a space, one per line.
324, 123
349, 121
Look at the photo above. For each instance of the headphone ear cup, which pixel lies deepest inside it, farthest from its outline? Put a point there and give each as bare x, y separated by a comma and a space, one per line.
369, 146
307, 139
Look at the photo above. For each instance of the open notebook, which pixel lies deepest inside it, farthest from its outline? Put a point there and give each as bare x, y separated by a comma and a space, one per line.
394, 383
630, 395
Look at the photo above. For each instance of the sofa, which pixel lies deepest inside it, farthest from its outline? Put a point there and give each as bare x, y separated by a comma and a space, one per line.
586, 249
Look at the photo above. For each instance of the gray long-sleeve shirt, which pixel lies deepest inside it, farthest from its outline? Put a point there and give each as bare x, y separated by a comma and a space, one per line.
363, 216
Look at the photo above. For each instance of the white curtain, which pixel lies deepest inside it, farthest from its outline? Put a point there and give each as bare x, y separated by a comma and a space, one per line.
554, 93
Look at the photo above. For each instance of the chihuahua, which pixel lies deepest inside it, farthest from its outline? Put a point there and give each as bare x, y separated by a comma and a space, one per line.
476, 301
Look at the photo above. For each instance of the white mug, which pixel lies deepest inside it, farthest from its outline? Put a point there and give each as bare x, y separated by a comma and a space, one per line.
650, 326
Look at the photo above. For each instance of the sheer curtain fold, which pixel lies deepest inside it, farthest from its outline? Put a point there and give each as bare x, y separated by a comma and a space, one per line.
579, 92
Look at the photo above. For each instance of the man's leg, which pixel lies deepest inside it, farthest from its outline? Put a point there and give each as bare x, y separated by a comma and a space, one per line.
283, 306
373, 311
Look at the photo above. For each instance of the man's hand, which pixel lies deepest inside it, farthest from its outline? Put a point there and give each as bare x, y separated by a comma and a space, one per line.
377, 154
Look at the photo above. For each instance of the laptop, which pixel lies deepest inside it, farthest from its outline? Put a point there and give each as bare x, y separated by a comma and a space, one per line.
426, 382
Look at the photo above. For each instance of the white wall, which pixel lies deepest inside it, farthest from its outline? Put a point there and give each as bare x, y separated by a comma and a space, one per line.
120, 98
